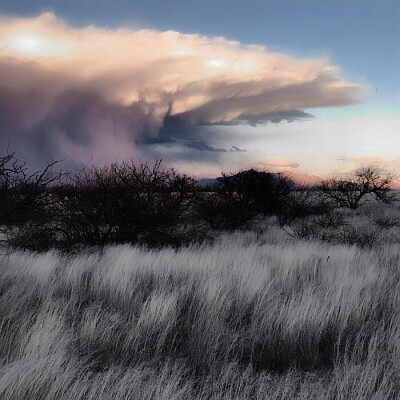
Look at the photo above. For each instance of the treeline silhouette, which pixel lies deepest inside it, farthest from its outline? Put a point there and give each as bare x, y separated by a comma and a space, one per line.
155, 206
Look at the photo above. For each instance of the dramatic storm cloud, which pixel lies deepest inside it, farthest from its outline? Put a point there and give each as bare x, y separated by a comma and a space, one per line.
91, 94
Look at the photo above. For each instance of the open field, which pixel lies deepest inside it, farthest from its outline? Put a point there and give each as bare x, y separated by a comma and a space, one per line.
255, 315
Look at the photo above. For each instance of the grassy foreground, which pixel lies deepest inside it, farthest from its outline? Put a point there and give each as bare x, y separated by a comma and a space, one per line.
249, 317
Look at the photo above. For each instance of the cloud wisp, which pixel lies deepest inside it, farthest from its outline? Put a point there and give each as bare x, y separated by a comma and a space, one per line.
96, 94
277, 165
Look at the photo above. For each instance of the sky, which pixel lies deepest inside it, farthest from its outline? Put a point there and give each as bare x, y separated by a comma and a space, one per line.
310, 87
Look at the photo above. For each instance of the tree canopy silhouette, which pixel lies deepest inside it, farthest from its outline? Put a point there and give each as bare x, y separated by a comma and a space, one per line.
366, 183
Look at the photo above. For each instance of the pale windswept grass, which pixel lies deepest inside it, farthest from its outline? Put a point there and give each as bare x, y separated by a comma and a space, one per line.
250, 317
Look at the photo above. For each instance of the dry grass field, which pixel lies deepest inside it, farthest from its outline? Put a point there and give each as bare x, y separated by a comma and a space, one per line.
255, 315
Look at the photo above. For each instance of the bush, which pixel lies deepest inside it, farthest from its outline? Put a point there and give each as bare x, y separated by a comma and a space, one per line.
25, 197
26, 203
222, 211
239, 198
127, 203
262, 192
386, 222
301, 203
32, 236
362, 238
120, 203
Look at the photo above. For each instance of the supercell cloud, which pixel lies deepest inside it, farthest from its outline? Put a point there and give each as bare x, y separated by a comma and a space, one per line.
92, 94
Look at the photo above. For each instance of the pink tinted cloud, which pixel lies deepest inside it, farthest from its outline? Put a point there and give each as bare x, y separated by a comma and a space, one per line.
124, 82
390, 167
289, 168
277, 165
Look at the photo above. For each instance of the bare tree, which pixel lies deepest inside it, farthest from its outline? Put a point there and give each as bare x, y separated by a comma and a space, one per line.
24, 195
127, 203
366, 183
26, 202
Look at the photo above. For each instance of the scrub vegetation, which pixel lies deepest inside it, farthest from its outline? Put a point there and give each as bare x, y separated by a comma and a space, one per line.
149, 205
261, 310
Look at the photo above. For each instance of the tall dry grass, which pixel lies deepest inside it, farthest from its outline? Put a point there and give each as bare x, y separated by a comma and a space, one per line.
253, 316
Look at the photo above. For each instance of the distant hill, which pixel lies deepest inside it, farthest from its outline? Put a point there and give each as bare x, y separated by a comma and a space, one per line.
298, 178
207, 182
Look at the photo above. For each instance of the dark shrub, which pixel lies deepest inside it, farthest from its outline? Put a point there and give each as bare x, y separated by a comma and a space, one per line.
263, 192
224, 211
26, 203
32, 236
302, 202
238, 198
128, 203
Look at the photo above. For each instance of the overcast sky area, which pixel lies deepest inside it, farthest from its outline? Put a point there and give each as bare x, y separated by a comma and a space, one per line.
311, 87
